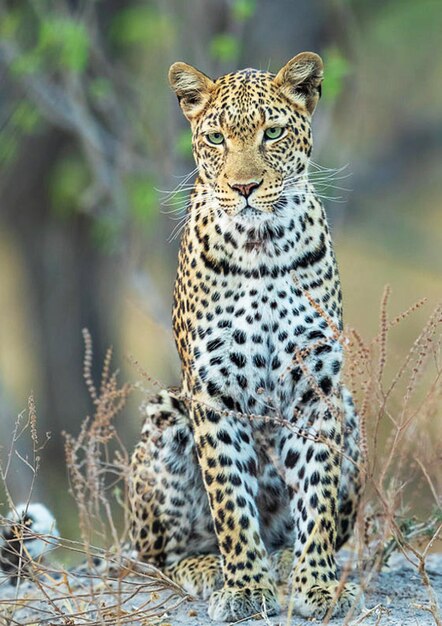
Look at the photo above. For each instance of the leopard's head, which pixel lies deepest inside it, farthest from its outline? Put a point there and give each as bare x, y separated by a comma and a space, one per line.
251, 131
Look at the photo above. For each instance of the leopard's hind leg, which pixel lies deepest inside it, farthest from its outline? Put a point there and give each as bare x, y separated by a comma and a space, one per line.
171, 522
200, 574
166, 494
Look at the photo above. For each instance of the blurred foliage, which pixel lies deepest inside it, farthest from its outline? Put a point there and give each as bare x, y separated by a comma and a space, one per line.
65, 40
143, 198
225, 47
69, 179
416, 20
100, 89
61, 43
10, 23
244, 9
25, 117
105, 233
337, 67
143, 26
183, 144
9, 147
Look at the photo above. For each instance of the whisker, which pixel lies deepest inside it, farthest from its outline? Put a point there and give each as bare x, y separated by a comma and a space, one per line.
181, 186
319, 179
328, 169
187, 176
310, 193
176, 202
183, 220
177, 229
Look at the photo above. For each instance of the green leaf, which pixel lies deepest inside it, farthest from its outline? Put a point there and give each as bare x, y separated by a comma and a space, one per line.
243, 9
10, 23
183, 143
143, 198
66, 42
141, 25
104, 233
26, 63
337, 67
67, 181
26, 117
75, 51
225, 47
8, 148
100, 88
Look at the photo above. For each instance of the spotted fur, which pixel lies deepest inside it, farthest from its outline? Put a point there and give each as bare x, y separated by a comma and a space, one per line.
248, 474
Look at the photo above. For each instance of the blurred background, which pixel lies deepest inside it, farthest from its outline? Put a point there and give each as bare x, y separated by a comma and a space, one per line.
90, 132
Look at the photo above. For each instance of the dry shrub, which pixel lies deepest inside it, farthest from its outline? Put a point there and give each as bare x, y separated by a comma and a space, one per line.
97, 460
110, 587
399, 406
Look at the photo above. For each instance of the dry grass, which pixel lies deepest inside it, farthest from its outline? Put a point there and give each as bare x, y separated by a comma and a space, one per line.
111, 587
398, 403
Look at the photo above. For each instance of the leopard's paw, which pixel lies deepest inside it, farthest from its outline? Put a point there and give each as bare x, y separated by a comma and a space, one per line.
198, 575
335, 600
234, 604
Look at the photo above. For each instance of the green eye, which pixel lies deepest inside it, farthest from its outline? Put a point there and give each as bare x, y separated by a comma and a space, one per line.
273, 133
215, 138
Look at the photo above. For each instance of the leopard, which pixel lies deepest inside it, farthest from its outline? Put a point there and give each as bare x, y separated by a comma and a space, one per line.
247, 475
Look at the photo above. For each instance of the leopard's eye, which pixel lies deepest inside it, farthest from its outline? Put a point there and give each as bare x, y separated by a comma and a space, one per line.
273, 133
215, 138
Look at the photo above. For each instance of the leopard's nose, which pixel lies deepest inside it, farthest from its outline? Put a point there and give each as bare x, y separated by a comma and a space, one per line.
245, 189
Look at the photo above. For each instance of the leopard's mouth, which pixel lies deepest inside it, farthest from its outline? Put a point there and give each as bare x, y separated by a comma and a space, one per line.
249, 211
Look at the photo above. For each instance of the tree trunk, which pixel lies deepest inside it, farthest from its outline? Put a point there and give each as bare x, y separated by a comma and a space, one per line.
72, 284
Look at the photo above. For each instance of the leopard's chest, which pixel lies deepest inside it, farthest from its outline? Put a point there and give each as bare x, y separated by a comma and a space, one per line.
245, 334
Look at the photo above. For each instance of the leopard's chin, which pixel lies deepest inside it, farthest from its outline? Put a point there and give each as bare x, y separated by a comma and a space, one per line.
253, 214
250, 211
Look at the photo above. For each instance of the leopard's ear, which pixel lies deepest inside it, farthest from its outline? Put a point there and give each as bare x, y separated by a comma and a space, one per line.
192, 87
300, 79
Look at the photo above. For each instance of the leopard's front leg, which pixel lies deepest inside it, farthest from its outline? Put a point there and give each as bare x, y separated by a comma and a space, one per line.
311, 453
229, 467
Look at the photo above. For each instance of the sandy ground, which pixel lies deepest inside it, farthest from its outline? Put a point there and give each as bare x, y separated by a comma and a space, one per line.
396, 596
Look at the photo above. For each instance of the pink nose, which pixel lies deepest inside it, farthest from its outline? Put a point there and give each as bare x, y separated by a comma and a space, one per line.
246, 189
